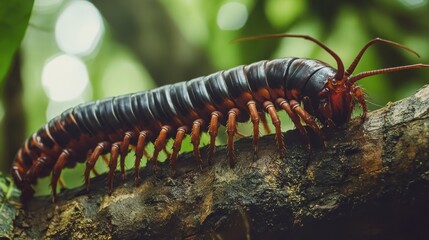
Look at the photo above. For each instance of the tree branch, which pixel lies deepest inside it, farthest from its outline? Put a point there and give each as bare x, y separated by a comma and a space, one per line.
370, 182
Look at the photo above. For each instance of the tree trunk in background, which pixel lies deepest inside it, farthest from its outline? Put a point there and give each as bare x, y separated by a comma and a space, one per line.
149, 32
14, 118
371, 182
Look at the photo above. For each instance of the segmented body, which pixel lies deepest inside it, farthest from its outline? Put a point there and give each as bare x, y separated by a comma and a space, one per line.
111, 125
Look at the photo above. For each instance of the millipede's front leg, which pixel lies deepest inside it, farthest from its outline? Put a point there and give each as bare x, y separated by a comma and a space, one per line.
360, 97
90, 163
254, 116
113, 163
93, 170
213, 131
294, 117
124, 151
231, 129
308, 119
326, 111
195, 140
177, 145
62, 183
141, 143
269, 107
159, 144
265, 123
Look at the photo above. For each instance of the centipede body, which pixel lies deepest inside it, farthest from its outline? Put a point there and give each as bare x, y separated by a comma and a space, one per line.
110, 126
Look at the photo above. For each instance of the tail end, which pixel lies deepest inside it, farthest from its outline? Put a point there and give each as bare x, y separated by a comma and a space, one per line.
21, 181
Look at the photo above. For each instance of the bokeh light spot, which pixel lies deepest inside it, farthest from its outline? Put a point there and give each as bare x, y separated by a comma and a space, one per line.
232, 16
64, 77
79, 28
414, 3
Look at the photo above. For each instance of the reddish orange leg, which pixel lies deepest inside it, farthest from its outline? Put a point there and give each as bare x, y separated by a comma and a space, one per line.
159, 144
37, 166
308, 119
98, 150
177, 145
326, 111
62, 183
295, 119
254, 116
168, 153
360, 97
213, 131
94, 171
113, 163
105, 160
146, 154
231, 129
271, 110
56, 172
124, 151
141, 143
265, 123
195, 140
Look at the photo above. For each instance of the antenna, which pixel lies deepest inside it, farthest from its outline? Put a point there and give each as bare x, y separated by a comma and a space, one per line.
368, 44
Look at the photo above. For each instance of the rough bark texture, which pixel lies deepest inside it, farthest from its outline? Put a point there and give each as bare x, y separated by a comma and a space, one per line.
371, 182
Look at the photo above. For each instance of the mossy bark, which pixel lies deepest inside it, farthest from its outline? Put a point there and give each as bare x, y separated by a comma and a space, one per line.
371, 182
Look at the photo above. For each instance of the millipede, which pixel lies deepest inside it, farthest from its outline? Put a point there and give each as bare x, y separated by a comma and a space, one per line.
310, 91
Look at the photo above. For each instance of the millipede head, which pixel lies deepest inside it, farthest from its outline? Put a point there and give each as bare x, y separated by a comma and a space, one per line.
344, 91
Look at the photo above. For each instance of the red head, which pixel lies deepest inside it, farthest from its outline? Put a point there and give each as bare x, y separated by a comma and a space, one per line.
341, 92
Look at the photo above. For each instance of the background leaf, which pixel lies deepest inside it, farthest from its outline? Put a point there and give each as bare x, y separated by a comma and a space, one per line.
14, 17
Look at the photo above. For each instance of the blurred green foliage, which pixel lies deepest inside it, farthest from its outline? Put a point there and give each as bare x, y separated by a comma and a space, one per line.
179, 32
14, 16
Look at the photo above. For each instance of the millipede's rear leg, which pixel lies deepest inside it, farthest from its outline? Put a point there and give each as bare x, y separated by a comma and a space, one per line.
271, 110
195, 140
231, 129
254, 116
56, 172
213, 131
